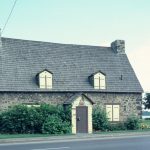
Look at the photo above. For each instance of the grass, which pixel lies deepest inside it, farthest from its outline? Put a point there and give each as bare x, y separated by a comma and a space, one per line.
122, 131
11, 136
147, 122
7, 136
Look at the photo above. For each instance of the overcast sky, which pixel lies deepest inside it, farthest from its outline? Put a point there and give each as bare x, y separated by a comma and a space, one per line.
91, 22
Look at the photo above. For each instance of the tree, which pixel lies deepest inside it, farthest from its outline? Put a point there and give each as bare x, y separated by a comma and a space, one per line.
147, 101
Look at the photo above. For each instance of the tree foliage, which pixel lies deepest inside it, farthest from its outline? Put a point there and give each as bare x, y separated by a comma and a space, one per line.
147, 101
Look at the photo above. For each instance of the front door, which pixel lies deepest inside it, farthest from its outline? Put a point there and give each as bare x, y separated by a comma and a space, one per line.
82, 119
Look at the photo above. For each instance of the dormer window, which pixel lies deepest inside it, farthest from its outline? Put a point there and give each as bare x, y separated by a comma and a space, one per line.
98, 80
45, 79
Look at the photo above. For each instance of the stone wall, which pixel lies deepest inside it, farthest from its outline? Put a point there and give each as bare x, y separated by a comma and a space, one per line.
14, 98
129, 103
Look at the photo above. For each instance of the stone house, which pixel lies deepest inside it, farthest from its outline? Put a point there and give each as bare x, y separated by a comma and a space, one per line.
33, 72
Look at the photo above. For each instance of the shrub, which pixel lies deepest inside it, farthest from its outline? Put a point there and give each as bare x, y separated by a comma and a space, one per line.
64, 112
117, 126
132, 123
19, 119
23, 119
55, 125
100, 120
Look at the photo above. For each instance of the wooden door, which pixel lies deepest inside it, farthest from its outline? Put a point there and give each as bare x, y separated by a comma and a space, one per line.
82, 119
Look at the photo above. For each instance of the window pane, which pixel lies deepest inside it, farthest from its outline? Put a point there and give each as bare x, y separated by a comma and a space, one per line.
115, 112
109, 112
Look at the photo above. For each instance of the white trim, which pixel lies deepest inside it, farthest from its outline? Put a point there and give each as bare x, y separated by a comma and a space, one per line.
75, 104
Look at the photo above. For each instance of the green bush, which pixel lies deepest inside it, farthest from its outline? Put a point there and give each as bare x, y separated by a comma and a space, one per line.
55, 125
117, 126
132, 123
100, 120
19, 119
23, 119
64, 112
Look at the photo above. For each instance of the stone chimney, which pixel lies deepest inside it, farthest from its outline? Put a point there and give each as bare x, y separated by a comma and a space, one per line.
118, 46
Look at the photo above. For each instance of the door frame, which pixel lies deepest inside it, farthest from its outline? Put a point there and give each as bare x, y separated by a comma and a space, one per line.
81, 100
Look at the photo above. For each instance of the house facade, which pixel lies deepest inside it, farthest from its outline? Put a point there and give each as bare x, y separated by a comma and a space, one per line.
33, 72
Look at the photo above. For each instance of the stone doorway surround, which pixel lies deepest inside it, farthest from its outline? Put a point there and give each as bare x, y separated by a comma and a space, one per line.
82, 119
76, 100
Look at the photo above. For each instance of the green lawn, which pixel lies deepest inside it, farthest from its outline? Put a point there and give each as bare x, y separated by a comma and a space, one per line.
146, 122
6, 136
122, 131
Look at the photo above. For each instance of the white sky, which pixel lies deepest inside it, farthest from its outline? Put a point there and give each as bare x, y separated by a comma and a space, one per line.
140, 60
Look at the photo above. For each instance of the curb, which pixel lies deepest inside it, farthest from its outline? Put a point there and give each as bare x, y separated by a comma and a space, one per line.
68, 138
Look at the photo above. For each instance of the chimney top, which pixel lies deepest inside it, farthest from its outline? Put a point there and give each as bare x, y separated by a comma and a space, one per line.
118, 46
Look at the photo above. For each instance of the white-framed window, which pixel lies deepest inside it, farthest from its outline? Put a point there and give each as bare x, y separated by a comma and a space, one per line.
45, 80
99, 81
113, 112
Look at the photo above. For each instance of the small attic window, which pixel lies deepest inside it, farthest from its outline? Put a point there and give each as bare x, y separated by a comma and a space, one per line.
45, 79
99, 80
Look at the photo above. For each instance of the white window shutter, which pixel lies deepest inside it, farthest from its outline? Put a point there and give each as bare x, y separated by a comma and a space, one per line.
102, 83
109, 112
49, 82
96, 83
116, 112
45, 80
42, 82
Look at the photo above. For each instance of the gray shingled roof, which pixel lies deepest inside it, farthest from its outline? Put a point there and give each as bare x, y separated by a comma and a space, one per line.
71, 65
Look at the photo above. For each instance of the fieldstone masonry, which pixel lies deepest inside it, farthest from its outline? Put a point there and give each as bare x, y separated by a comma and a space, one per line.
10, 99
129, 103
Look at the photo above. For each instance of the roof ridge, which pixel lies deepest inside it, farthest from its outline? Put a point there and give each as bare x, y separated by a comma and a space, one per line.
38, 41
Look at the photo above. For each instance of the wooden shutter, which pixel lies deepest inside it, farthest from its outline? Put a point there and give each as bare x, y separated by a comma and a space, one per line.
102, 81
109, 112
116, 112
42, 82
49, 82
96, 83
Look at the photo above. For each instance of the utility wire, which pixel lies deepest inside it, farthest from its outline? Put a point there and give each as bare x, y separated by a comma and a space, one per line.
9, 16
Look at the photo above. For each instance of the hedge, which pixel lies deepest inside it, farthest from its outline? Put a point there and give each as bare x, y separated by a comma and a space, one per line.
23, 119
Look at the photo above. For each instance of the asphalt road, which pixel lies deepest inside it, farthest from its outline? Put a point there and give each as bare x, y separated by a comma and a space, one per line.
120, 143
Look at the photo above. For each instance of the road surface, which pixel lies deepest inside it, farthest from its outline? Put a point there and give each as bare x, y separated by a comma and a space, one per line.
119, 143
